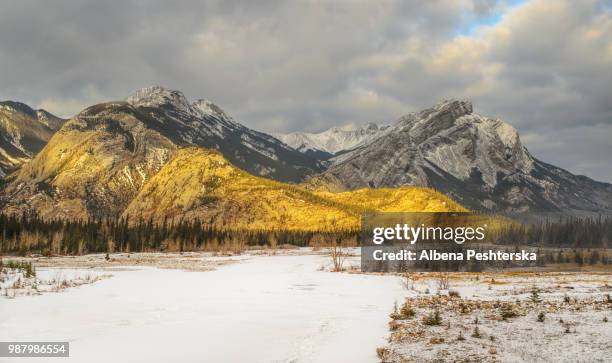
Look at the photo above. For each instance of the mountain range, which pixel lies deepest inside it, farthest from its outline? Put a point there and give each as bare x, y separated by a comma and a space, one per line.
156, 155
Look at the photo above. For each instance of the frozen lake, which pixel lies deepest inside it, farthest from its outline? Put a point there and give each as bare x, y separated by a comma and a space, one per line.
261, 309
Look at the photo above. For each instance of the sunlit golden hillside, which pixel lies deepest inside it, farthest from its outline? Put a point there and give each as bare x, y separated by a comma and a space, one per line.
92, 167
199, 183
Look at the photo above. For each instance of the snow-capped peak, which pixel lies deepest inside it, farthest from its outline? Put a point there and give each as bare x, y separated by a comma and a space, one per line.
333, 140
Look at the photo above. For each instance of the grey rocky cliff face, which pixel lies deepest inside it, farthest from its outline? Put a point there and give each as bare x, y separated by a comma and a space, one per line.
205, 124
478, 161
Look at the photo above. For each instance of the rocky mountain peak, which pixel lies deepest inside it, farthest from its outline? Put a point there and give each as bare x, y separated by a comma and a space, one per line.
157, 96
12, 106
23, 133
457, 107
205, 124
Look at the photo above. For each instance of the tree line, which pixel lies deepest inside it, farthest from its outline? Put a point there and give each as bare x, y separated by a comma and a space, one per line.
564, 231
22, 234
30, 234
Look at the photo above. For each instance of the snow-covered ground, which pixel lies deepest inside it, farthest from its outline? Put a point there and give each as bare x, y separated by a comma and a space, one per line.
16, 282
493, 317
282, 308
286, 306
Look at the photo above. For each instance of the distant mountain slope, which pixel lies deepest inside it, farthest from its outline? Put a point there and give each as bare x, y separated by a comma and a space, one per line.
199, 183
205, 124
476, 160
23, 133
327, 143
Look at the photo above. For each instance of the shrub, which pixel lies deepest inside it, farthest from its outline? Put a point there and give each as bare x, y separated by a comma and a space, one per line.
460, 337
383, 354
433, 318
541, 316
535, 297
406, 312
443, 281
394, 325
29, 270
508, 311
453, 293
476, 333
436, 340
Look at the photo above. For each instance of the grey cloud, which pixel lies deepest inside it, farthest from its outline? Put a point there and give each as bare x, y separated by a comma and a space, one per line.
284, 66
569, 145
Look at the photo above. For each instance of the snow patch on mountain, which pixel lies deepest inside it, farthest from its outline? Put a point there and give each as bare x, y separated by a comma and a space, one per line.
333, 140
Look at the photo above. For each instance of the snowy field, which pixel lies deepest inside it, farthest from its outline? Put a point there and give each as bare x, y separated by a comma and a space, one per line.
289, 307
259, 309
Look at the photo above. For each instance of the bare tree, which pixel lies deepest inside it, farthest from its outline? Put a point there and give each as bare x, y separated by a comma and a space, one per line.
407, 281
336, 250
338, 256
443, 281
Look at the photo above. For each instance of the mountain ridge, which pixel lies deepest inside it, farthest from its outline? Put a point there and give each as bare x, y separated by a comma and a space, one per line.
477, 160
205, 124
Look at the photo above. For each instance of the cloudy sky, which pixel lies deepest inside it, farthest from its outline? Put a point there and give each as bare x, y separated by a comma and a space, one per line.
543, 66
